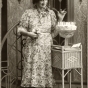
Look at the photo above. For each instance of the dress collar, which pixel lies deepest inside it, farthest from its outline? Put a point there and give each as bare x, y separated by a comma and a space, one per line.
41, 12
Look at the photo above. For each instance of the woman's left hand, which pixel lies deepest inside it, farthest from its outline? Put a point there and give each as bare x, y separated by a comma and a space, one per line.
61, 14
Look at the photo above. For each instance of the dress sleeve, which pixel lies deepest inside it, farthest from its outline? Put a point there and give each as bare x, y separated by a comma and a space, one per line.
53, 20
54, 30
23, 25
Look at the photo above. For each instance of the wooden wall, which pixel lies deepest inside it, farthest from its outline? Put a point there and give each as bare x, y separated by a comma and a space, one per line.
15, 11
80, 16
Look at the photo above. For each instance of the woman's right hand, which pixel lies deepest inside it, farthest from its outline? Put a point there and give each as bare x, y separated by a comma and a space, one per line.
33, 35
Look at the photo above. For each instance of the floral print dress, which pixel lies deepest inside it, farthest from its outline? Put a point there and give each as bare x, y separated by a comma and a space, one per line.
37, 71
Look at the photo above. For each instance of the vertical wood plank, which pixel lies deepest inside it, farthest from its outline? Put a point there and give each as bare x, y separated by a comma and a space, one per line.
87, 44
70, 10
0, 40
70, 14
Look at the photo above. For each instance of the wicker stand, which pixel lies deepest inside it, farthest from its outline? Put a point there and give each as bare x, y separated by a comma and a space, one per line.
67, 58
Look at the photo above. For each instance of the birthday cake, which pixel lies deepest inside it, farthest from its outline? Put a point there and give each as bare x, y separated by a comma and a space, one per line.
66, 29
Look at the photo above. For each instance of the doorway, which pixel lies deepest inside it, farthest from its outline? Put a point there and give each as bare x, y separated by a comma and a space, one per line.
3, 32
4, 28
60, 5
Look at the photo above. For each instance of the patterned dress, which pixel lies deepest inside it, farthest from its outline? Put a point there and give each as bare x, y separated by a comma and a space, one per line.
37, 70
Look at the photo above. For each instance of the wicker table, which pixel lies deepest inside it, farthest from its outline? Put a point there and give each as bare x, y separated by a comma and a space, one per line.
67, 58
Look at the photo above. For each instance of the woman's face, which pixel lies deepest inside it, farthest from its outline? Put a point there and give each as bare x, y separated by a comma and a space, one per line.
43, 3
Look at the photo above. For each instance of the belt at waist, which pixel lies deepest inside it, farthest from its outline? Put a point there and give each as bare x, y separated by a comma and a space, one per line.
43, 33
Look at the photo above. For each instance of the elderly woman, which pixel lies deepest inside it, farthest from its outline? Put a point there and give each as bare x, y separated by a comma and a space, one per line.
39, 25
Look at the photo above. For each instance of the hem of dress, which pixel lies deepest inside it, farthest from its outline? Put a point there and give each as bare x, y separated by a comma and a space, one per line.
37, 86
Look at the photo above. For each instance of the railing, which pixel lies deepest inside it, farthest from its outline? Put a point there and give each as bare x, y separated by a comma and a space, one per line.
10, 72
